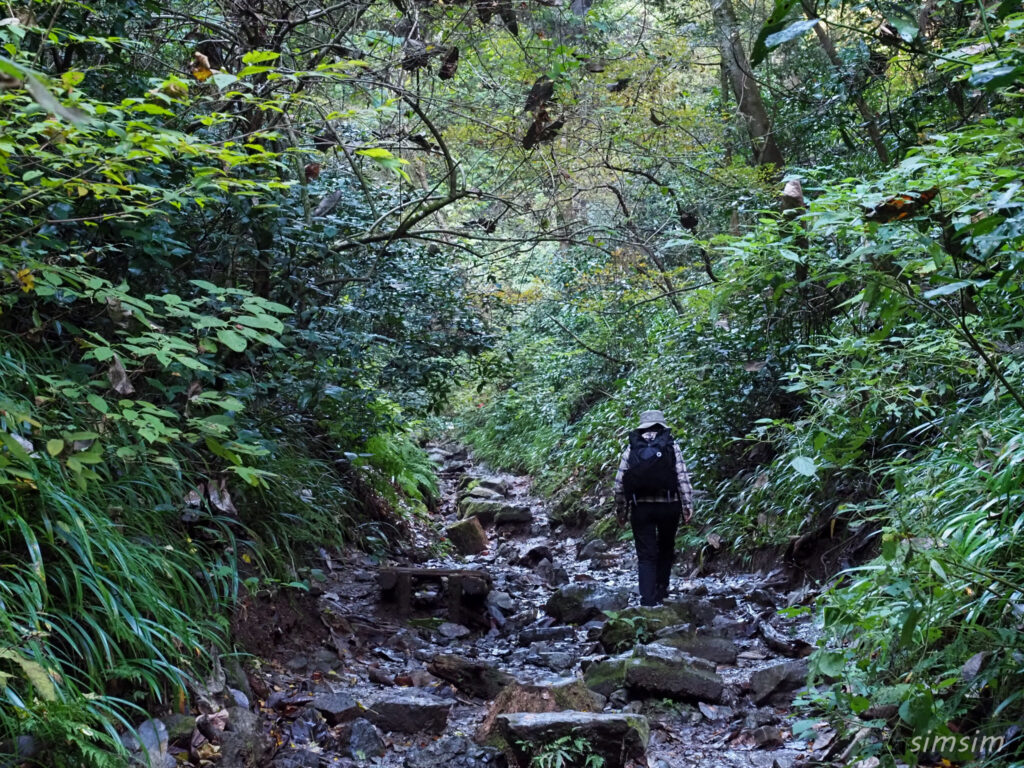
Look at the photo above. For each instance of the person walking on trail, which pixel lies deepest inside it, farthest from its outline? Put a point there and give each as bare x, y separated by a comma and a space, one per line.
652, 488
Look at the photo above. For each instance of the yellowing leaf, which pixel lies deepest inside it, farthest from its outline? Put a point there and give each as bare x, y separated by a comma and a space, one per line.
35, 673
27, 279
54, 447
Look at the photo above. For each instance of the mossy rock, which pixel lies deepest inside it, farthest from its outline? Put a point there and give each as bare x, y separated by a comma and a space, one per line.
571, 693
608, 675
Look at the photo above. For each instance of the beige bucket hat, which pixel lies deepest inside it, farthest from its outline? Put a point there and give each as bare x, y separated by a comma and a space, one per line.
649, 419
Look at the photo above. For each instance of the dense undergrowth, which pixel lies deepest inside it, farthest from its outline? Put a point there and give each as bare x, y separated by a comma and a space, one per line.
847, 389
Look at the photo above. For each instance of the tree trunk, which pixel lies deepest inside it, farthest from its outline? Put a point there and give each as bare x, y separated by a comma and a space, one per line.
748, 96
870, 119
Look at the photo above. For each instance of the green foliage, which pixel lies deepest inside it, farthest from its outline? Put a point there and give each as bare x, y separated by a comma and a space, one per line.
569, 751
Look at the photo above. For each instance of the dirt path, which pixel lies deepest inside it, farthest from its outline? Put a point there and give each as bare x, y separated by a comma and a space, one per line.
349, 681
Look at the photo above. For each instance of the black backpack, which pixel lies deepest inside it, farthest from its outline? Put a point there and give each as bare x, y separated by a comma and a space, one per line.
651, 466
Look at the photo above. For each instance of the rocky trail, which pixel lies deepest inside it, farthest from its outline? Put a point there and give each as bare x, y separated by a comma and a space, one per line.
479, 660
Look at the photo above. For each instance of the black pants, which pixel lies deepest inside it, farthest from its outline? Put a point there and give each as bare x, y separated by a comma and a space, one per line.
654, 531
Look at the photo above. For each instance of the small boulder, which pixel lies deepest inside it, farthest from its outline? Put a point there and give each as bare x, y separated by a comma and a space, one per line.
455, 752
365, 741
410, 713
578, 603
513, 514
483, 492
540, 634
336, 707
717, 649
659, 670
473, 676
592, 549
468, 536
787, 676
617, 738
607, 675
453, 631
568, 693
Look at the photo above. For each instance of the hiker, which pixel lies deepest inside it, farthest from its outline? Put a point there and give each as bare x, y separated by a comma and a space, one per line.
653, 488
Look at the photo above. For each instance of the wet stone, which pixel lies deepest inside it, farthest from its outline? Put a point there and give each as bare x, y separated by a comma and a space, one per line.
365, 741
538, 634
456, 752
664, 671
501, 600
767, 736
717, 649
296, 758
297, 663
473, 676
410, 713
336, 707
578, 603
452, 631
787, 676
608, 675
592, 549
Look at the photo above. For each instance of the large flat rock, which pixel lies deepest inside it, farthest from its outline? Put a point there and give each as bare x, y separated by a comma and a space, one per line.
410, 713
658, 670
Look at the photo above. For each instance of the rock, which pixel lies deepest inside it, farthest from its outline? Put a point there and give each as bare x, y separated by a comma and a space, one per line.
569, 693
577, 603
308, 727
787, 676
455, 752
472, 676
488, 511
608, 675
336, 707
557, 661
617, 738
767, 736
468, 536
659, 670
530, 555
493, 483
717, 649
179, 729
297, 663
555, 575
722, 626
296, 758
513, 513
538, 634
592, 549
761, 597
365, 741
243, 743
148, 745
483, 492
501, 600
634, 625
410, 713
452, 631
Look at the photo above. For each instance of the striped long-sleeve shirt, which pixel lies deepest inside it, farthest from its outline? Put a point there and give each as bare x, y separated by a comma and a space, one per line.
685, 494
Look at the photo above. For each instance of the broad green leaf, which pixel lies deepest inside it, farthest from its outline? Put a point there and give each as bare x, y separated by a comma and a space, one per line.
259, 57
232, 340
774, 23
54, 447
945, 290
791, 32
804, 465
